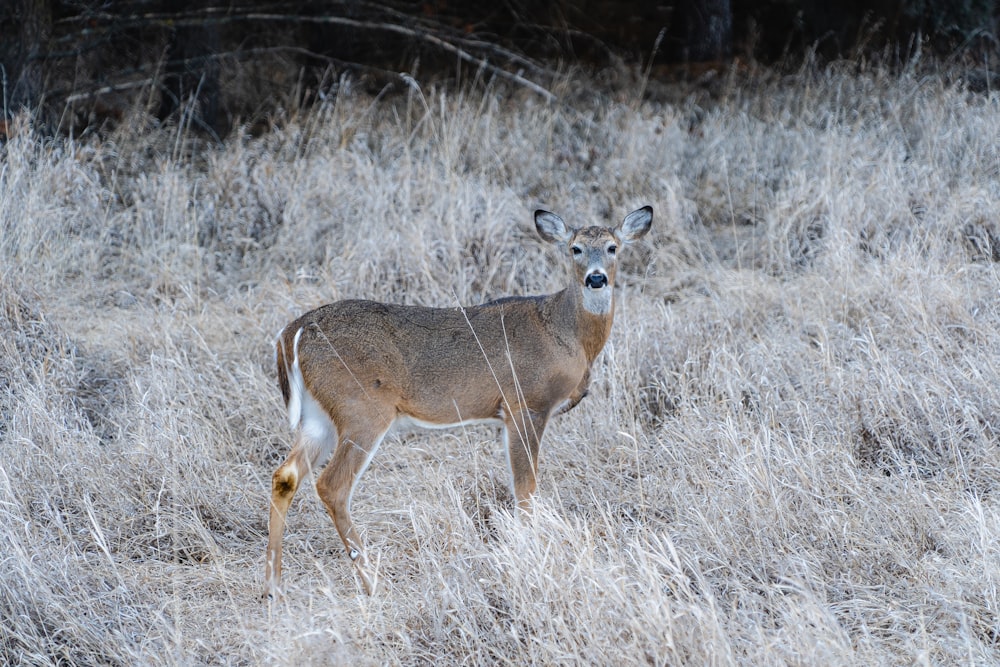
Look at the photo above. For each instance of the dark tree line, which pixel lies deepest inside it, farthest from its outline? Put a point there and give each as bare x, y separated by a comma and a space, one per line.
79, 62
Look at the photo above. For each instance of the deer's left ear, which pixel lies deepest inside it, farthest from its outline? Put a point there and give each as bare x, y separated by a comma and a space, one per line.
551, 227
635, 225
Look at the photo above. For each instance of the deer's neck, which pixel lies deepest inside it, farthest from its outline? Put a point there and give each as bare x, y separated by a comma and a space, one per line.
590, 329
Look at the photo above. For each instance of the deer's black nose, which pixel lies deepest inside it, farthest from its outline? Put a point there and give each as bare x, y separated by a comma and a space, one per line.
596, 280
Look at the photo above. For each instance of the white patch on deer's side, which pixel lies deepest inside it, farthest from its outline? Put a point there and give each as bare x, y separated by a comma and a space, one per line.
405, 423
317, 429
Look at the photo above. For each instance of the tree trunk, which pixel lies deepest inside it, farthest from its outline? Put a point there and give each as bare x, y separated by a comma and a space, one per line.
708, 25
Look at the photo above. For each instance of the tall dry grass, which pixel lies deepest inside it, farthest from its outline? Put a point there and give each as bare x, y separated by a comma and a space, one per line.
789, 455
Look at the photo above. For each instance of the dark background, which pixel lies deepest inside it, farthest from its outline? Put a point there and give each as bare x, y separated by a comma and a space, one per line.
82, 64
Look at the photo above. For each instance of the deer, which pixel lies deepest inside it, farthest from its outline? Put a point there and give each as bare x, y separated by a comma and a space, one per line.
352, 370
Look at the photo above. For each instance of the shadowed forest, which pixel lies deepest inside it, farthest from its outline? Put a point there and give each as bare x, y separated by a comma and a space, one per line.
85, 66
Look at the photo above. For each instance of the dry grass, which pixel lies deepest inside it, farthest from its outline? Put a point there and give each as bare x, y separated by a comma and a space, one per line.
789, 455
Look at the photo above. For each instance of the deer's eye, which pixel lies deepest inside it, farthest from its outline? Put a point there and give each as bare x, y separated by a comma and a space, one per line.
577, 250
612, 249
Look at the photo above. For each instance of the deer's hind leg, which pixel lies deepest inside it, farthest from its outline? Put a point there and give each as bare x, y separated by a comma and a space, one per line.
305, 454
356, 446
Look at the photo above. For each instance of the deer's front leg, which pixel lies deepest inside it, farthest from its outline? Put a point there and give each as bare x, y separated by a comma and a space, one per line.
523, 430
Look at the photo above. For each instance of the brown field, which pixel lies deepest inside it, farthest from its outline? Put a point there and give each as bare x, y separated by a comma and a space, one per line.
791, 449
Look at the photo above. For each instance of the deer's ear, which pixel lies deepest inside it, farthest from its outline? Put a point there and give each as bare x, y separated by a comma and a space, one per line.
551, 227
635, 225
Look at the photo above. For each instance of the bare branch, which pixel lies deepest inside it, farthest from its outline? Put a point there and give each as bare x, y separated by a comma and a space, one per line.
462, 47
416, 34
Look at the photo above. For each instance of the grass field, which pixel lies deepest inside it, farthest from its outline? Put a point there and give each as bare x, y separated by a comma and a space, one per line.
791, 449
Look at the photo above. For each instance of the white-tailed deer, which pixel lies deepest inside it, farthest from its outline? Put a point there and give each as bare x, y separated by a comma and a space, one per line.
351, 370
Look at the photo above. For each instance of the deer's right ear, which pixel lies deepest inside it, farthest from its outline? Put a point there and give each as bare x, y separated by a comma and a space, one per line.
551, 227
635, 225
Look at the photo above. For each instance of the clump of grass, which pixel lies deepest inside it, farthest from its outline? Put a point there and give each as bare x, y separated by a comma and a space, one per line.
788, 454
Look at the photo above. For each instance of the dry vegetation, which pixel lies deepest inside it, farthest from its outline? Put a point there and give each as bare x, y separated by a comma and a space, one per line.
790, 451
